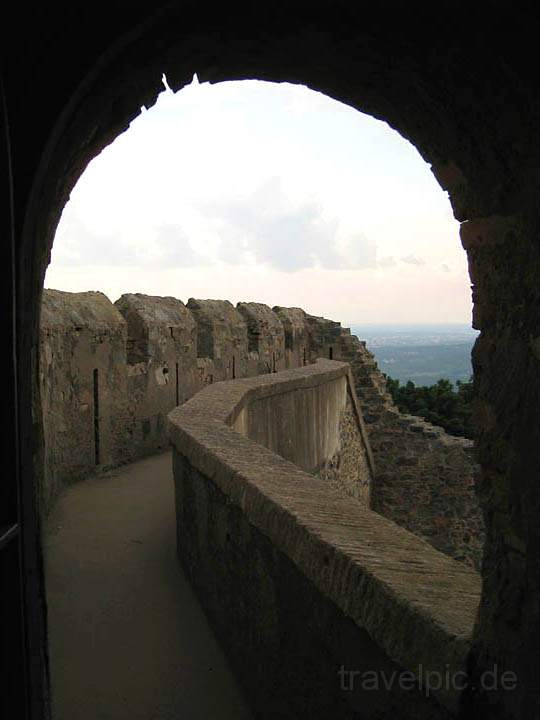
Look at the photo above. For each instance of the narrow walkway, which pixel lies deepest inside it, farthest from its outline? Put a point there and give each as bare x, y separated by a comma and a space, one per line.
127, 637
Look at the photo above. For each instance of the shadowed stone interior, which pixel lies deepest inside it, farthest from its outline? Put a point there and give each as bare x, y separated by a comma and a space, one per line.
458, 79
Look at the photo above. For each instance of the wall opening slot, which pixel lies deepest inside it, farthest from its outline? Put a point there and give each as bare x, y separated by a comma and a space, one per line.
96, 417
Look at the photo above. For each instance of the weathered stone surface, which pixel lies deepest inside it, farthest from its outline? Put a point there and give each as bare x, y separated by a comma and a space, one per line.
83, 386
324, 338
317, 426
222, 336
162, 373
417, 605
424, 479
296, 337
350, 468
266, 338
291, 645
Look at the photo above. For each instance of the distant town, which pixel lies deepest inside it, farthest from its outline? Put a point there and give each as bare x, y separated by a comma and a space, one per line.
421, 353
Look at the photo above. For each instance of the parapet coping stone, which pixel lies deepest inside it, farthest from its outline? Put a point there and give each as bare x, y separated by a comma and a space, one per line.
156, 309
417, 604
89, 310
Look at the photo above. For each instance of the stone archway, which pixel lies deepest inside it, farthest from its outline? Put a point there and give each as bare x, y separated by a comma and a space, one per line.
461, 94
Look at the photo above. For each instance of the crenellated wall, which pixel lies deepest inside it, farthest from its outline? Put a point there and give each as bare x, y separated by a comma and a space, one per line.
161, 366
266, 338
296, 335
221, 337
83, 381
110, 374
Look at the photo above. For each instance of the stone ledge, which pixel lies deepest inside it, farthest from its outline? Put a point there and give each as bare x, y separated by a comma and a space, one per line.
416, 603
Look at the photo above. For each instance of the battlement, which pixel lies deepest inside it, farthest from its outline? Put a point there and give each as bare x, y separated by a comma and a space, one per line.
111, 373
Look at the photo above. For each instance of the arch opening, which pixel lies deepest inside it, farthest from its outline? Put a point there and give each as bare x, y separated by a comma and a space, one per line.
488, 181
154, 323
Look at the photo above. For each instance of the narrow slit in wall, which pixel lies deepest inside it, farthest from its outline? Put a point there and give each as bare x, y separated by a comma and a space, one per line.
96, 418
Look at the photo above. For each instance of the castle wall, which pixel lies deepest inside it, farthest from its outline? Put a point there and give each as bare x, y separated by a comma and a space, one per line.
350, 468
424, 478
266, 338
222, 337
83, 386
162, 369
296, 335
318, 427
153, 353
269, 549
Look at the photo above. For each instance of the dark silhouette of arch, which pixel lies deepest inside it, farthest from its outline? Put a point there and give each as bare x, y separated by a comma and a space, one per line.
457, 79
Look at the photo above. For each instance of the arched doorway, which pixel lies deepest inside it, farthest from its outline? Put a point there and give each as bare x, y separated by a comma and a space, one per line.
467, 115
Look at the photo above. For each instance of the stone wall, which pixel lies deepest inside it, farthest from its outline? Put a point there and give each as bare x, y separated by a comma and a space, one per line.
302, 583
424, 478
154, 353
162, 367
222, 337
318, 427
296, 335
83, 386
266, 338
351, 468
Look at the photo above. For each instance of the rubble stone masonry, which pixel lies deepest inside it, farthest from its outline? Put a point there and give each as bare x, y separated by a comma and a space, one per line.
110, 374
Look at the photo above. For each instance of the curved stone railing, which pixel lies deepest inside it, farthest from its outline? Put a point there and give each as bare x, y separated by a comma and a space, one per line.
276, 553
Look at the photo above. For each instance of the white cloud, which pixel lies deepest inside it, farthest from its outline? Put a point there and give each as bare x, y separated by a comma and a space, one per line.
270, 190
270, 227
411, 259
174, 249
387, 262
77, 245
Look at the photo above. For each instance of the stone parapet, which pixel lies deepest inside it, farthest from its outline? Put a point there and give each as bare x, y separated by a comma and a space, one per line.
315, 552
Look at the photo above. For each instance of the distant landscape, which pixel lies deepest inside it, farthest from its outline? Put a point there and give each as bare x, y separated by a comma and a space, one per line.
421, 353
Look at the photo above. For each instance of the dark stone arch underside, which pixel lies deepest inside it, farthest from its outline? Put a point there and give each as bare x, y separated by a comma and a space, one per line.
457, 79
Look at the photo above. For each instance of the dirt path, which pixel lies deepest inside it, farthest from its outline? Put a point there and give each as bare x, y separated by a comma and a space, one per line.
127, 637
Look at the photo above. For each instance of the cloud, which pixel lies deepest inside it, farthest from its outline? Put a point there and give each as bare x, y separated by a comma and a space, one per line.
386, 262
269, 227
413, 260
76, 245
173, 249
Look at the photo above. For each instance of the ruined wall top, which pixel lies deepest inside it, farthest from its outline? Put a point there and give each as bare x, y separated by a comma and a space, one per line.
155, 310
174, 350
294, 323
263, 325
220, 326
60, 309
161, 320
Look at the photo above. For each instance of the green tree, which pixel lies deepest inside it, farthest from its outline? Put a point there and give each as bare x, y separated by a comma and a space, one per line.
440, 404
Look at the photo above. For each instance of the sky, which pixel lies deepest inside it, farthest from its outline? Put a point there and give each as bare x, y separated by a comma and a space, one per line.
266, 192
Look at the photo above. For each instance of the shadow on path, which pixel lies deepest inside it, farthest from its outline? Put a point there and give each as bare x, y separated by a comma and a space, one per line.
127, 637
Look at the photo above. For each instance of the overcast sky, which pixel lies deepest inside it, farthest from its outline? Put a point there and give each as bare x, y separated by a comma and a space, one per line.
273, 193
